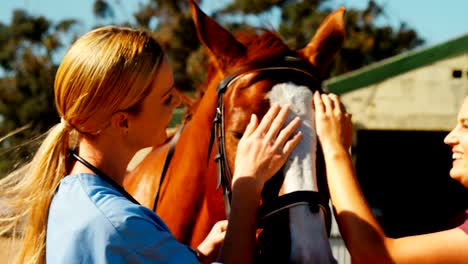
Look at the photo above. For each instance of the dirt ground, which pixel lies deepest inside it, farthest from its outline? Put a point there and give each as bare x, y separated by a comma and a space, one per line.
6, 250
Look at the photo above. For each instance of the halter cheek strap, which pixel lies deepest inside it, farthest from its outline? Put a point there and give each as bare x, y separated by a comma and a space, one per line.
224, 173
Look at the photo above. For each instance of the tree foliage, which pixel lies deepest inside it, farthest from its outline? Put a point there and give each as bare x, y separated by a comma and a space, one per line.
172, 23
28, 45
366, 41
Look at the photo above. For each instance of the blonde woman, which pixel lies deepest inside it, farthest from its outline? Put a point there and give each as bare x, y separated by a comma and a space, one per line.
115, 94
362, 233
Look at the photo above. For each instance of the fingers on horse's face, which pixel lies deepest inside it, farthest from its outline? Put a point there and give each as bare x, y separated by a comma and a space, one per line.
240, 103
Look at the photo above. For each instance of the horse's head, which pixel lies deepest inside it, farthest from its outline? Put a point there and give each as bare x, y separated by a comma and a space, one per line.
255, 70
248, 73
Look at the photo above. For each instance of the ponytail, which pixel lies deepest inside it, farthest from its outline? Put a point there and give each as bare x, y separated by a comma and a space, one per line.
28, 191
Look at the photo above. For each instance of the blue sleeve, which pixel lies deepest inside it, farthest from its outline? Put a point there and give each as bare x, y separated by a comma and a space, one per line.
165, 250
151, 240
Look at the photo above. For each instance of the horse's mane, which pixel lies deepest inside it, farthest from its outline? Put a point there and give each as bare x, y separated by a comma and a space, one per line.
263, 46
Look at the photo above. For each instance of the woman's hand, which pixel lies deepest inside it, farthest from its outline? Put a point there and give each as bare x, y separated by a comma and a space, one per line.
265, 147
333, 124
208, 249
261, 152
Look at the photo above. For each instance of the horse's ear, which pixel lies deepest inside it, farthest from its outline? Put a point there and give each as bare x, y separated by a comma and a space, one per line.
223, 47
328, 40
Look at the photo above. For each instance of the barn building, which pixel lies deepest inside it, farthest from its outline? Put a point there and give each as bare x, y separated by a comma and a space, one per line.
402, 109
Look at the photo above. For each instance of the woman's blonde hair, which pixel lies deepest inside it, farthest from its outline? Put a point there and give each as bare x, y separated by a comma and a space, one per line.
106, 70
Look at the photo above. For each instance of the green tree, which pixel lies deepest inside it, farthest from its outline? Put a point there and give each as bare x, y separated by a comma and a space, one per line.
27, 47
173, 26
29, 44
366, 42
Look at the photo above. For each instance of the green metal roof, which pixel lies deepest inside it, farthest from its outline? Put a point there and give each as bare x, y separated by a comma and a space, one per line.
396, 65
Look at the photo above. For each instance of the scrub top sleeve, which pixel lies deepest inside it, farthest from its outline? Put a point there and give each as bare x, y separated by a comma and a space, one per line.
166, 249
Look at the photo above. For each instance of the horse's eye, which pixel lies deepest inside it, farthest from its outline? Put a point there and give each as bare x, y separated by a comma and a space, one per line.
237, 135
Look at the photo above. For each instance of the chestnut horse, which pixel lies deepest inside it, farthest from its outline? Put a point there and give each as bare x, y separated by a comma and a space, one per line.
248, 74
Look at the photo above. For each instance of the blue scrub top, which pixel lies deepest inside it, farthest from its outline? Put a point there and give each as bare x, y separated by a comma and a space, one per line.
91, 222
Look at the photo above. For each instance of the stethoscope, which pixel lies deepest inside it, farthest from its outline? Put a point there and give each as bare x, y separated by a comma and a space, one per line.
103, 176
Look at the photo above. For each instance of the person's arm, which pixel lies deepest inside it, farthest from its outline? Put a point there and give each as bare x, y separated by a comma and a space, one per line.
208, 249
364, 238
239, 245
261, 152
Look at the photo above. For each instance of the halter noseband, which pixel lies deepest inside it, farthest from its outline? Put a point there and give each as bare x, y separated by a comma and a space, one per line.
224, 173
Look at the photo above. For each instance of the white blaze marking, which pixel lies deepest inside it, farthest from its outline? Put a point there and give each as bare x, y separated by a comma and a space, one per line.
299, 170
309, 239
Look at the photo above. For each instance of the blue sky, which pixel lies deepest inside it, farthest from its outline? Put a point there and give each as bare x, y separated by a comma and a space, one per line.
435, 20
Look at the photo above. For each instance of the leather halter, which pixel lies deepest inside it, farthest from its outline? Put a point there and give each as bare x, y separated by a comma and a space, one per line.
224, 174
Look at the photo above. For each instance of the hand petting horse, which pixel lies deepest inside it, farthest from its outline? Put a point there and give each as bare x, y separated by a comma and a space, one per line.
248, 73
